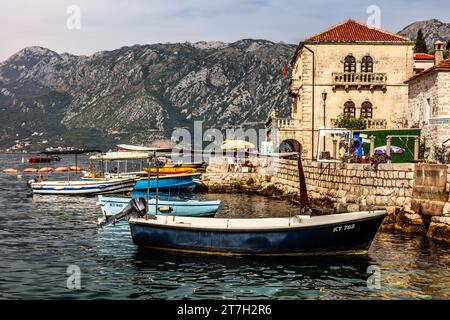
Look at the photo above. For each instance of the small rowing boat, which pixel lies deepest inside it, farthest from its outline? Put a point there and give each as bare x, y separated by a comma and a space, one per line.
337, 233
81, 188
43, 159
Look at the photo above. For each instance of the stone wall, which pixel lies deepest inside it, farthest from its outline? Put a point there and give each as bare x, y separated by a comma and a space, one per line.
416, 196
349, 186
415, 204
233, 182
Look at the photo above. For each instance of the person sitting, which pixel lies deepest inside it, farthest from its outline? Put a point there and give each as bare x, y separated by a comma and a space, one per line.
231, 166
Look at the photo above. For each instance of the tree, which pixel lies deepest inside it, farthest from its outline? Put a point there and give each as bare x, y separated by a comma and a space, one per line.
350, 122
421, 45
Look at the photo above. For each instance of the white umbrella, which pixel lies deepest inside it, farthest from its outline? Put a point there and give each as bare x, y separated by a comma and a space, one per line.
236, 144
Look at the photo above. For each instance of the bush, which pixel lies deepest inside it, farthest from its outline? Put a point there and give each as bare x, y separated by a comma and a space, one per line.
350, 122
441, 154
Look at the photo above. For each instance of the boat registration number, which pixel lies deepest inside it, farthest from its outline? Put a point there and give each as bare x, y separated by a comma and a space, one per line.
344, 228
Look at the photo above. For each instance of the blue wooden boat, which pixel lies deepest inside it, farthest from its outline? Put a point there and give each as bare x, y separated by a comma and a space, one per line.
111, 206
180, 183
338, 233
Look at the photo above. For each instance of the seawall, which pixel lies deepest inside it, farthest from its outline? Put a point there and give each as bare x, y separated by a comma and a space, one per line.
416, 196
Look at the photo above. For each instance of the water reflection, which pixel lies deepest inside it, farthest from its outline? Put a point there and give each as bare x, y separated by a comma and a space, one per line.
41, 236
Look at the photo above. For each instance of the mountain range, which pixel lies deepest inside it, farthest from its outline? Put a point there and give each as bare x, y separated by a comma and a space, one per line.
432, 29
141, 93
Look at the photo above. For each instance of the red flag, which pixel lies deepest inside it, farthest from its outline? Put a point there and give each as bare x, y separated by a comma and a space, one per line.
284, 71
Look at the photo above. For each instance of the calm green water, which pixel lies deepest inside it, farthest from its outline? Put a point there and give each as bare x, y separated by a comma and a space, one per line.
41, 236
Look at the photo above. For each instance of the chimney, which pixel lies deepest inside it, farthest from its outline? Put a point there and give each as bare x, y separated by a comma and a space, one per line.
438, 52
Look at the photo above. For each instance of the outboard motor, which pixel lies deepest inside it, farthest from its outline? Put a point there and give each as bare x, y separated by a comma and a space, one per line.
136, 207
30, 182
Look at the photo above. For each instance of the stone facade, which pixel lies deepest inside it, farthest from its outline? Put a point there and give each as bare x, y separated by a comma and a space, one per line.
320, 66
429, 106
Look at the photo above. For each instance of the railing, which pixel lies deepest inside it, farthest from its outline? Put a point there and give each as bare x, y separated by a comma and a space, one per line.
371, 80
284, 123
370, 123
375, 123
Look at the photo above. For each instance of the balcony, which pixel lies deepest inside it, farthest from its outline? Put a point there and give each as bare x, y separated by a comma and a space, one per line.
359, 80
282, 124
370, 123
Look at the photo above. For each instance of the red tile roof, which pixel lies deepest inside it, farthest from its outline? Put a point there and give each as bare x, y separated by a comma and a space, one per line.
443, 65
354, 31
423, 56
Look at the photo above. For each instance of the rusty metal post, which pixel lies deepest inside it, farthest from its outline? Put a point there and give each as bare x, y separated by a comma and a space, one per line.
304, 201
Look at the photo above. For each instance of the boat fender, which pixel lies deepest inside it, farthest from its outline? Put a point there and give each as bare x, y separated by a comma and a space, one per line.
165, 209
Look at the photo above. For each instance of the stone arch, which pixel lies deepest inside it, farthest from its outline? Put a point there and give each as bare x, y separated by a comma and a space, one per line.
290, 145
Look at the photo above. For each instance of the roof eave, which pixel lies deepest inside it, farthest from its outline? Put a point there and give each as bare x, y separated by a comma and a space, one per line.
399, 42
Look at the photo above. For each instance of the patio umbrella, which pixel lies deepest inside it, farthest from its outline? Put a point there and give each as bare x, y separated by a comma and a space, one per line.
383, 149
236, 144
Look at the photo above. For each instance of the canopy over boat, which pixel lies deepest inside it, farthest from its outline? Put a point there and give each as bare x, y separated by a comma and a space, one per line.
121, 155
141, 148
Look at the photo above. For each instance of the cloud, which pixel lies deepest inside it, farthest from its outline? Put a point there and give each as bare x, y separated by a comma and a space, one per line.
110, 24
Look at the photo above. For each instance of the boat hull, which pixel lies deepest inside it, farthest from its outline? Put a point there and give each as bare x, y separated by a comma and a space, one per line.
191, 208
344, 236
82, 188
180, 183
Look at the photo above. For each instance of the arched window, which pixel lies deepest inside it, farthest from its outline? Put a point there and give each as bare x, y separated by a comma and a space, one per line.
366, 110
349, 64
367, 64
349, 108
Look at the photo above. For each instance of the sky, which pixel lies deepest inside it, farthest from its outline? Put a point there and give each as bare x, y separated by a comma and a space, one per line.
83, 27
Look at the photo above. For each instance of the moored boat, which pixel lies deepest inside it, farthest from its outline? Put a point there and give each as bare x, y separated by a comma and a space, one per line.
177, 183
337, 233
170, 170
111, 205
82, 188
43, 159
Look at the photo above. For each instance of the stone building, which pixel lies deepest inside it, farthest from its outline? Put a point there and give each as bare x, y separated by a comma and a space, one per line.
423, 61
429, 100
361, 69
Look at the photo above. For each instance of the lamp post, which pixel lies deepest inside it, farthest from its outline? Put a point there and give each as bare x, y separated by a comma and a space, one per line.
324, 98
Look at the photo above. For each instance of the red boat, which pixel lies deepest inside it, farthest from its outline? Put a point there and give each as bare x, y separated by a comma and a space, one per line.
43, 159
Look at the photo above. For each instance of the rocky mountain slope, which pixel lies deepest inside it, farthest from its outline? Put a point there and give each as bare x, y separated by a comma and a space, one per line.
139, 93
433, 30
